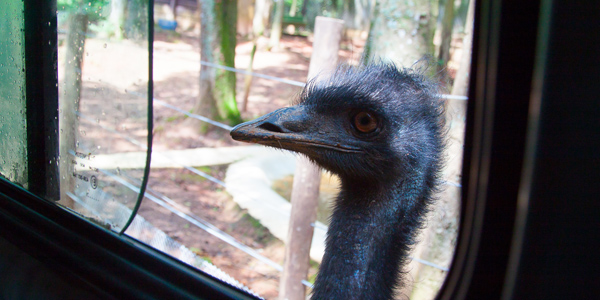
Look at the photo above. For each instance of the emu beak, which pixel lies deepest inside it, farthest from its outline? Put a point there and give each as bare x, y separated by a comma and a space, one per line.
283, 126
293, 128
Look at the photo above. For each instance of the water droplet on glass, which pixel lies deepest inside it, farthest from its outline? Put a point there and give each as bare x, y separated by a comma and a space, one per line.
99, 147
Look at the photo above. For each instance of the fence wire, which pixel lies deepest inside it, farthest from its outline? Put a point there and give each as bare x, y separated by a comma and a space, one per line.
219, 182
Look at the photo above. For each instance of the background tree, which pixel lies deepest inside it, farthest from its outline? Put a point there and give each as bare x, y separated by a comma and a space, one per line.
117, 17
461, 81
218, 25
246, 12
447, 13
401, 30
261, 17
276, 25
357, 13
293, 8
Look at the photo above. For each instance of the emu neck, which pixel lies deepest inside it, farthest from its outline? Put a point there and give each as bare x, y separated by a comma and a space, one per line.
369, 235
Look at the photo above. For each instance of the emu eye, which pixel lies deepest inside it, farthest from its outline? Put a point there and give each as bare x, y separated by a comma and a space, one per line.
365, 122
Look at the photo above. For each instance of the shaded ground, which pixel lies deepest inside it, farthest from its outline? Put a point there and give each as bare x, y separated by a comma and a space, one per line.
198, 196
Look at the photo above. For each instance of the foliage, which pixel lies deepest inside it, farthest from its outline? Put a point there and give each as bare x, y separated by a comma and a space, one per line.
288, 4
92, 8
311, 9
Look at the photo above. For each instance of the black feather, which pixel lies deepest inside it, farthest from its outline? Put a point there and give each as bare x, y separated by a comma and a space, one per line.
389, 175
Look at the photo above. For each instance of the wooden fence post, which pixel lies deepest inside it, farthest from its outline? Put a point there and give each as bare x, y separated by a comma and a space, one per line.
305, 191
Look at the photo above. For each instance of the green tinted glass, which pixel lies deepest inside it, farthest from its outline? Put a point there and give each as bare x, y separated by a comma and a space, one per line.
13, 127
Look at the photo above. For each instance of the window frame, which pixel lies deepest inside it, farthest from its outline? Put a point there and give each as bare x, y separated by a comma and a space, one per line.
500, 213
503, 55
41, 97
115, 264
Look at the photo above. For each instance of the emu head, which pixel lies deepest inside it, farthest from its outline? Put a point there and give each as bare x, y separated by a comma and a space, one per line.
361, 123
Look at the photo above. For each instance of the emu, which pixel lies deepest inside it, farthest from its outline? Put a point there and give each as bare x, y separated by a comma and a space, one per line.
381, 130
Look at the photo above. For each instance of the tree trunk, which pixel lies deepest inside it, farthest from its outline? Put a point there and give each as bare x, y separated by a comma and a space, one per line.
293, 8
447, 25
357, 14
276, 26
117, 17
461, 81
262, 13
136, 20
460, 15
69, 103
248, 77
261, 16
304, 7
246, 12
217, 45
401, 31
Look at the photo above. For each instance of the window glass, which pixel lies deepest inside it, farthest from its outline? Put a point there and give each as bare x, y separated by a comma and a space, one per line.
13, 127
228, 202
103, 85
217, 204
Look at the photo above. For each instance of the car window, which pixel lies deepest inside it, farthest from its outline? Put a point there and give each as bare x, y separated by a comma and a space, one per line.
211, 202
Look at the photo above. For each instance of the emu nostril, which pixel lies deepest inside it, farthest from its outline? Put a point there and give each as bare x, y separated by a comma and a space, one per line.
270, 127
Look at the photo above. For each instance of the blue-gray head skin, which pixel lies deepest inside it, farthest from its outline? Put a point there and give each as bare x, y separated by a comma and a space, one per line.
381, 130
